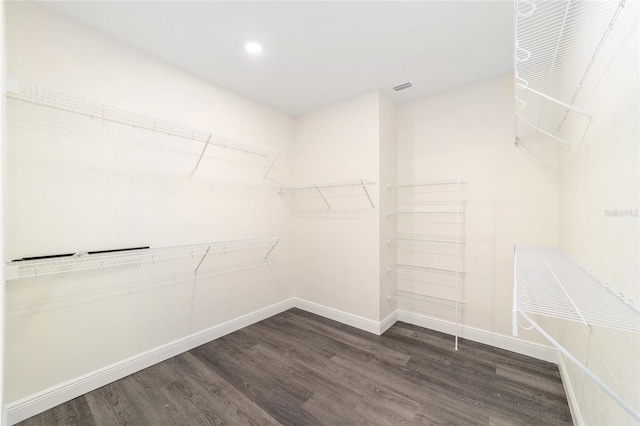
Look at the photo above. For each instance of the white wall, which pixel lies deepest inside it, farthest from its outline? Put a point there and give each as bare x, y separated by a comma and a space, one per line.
2, 207
511, 196
337, 251
71, 189
601, 173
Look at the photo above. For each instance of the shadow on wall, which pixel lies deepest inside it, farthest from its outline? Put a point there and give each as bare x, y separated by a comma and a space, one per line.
540, 152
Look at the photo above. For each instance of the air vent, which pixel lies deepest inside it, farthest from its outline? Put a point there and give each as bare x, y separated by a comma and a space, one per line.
403, 86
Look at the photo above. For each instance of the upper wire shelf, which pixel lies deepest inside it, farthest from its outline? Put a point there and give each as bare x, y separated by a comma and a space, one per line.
327, 192
193, 254
410, 213
550, 283
432, 183
24, 92
424, 299
424, 269
556, 45
412, 241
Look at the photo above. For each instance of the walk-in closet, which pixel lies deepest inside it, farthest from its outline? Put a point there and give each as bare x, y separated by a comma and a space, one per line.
309, 212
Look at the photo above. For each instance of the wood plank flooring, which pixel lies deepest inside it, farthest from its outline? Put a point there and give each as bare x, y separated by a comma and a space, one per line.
297, 368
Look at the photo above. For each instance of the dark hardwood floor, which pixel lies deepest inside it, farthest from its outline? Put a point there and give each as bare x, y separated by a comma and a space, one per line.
297, 368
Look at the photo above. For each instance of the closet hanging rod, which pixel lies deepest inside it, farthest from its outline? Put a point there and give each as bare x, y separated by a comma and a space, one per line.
24, 92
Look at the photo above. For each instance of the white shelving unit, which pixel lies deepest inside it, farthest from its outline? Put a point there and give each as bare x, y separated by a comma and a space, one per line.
119, 120
428, 270
346, 195
181, 258
549, 283
556, 45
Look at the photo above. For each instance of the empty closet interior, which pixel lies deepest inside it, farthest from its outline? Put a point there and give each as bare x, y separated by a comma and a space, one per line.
162, 187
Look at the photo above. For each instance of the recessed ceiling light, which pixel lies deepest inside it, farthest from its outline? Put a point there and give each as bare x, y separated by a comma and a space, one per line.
253, 47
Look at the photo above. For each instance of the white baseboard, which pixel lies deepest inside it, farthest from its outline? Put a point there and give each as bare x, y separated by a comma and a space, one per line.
387, 322
570, 392
343, 317
534, 350
37, 403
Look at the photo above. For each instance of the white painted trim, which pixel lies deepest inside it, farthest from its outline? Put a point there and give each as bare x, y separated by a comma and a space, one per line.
387, 322
41, 401
343, 317
534, 350
574, 407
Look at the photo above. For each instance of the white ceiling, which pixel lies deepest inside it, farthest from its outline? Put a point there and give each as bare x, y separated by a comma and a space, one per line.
315, 53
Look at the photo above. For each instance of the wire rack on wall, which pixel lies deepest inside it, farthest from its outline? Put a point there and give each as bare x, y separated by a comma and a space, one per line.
549, 283
429, 269
122, 119
181, 258
556, 45
345, 195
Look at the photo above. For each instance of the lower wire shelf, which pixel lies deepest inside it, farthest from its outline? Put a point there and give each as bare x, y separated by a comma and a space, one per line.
190, 257
424, 299
549, 283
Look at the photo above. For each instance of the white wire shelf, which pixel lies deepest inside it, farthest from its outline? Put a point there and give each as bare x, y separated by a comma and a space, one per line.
419, 241
432, 183
550, 283
429, 216
328, 192
194, 254
556, 45
423, 213
424, 299
41, 97
424, 269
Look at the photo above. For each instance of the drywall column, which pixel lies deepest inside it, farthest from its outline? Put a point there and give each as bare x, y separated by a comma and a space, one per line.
388, 202
337, 251
599, 222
